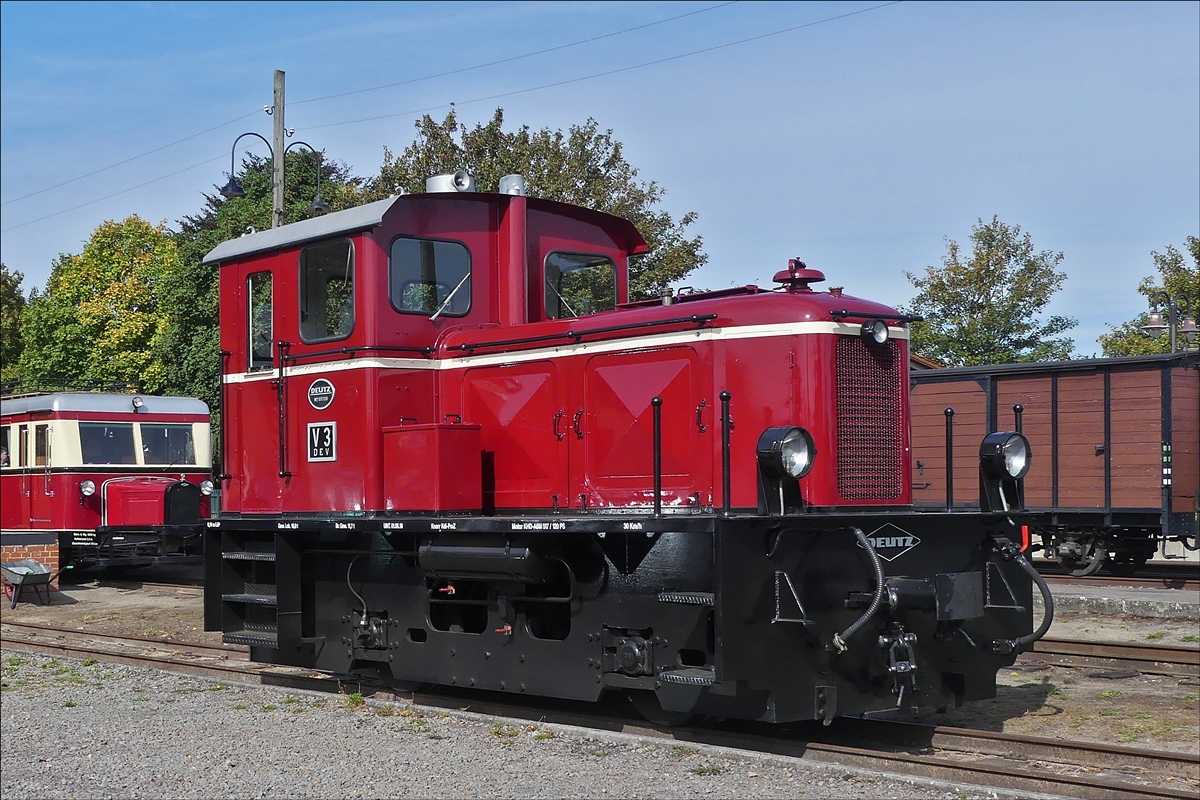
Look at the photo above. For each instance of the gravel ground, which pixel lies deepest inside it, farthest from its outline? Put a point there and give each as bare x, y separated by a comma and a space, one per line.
73, 729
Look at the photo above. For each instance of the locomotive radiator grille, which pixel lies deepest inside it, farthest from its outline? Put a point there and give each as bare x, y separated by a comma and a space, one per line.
869, 420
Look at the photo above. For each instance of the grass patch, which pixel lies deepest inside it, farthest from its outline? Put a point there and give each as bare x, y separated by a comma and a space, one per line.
141, 699
503, 731
1110, 693
355, 700
1108, 712
87, 662
542, 736
289, 700
1190, 637
269, 707
386, 711
15, 661
682, 751
70, 704
1190, 700
220, 688
1156, 635
708, 769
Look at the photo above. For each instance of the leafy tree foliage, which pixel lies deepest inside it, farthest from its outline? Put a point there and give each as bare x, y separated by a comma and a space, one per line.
12, 302
584, 166
101, 319
984, 309
1177, 276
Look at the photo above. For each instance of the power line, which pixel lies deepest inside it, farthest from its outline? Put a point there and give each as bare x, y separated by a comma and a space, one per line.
114, 194
126, 161
489, 97
372, 89
611, 71
517, 58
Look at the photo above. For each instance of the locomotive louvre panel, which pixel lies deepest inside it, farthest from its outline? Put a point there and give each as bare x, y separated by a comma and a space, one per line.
870, 420
1036, 396
1135, 438
1081, 441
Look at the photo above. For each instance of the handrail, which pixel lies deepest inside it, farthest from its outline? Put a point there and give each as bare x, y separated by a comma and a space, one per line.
694, 319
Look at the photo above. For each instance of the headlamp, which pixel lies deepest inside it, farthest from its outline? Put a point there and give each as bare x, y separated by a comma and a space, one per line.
87, 488
875, 332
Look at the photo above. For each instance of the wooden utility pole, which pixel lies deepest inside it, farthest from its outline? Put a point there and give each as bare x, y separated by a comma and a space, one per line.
279, 146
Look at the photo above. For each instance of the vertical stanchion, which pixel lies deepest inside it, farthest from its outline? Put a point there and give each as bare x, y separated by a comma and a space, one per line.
949, 412
1018, 411
657, 403
725, 424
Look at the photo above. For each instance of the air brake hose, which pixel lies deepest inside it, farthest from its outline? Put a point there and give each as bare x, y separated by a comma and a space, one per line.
839, 639
1022, 642
1009, 551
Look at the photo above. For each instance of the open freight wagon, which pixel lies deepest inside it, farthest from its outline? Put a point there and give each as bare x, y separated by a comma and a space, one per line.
1117, 444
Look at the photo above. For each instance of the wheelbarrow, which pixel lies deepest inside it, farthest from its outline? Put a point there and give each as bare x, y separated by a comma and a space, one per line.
27, 572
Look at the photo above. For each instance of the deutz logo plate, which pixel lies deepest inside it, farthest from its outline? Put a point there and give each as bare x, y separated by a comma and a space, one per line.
320, 394
891, 542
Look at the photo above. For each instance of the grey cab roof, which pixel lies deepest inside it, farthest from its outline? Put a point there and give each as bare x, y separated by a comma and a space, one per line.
100, 402
352, 219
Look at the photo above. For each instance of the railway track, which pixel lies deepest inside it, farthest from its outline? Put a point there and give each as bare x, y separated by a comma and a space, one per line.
1146, 659
1015, 762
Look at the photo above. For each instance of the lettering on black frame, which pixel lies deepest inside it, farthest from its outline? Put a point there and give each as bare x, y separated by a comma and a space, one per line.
322, 441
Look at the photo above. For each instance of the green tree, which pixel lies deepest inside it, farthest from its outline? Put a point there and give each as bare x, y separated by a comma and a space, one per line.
985, 309
100, 320
1177, 276
584, 166
12, 302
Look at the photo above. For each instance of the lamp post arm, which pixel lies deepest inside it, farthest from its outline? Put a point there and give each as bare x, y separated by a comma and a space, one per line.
317, 153
233, 150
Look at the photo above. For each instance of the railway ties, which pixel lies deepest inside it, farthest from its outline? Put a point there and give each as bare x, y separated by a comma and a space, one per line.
965, 756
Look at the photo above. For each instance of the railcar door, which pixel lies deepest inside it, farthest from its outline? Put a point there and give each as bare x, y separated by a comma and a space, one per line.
41, 481
612, 429
17, 486
522, 409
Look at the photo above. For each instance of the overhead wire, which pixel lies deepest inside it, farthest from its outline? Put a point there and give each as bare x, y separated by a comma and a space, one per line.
131, 158
377, 88
606, 73
515, 92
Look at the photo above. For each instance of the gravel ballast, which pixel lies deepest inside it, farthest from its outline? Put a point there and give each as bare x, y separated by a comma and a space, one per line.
73, 728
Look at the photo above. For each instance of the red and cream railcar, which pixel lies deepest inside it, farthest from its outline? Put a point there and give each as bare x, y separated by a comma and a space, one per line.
457, 453
111, 479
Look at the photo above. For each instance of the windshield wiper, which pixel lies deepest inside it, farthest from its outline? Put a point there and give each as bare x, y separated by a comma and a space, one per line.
561, 299
449, 297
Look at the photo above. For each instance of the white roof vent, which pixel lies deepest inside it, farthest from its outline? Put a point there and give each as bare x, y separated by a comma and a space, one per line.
514, 184
461, 181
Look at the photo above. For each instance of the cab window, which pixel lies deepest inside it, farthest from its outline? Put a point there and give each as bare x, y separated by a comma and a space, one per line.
326, 291
578, 284
259, 321
107, 442
167, 444
429, 276
5, 448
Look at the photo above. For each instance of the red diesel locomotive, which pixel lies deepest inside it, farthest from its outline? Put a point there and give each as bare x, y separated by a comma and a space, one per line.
457, 454
114, 479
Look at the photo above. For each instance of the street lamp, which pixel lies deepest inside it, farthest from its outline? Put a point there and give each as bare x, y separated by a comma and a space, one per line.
1155, 325
232, 189
318, 207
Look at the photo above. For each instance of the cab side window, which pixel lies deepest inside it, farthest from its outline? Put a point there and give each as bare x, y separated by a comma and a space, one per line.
429, 276
259, 322
5, 447
578, 284
326, 291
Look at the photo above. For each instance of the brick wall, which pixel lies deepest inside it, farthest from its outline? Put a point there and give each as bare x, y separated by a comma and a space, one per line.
42, 553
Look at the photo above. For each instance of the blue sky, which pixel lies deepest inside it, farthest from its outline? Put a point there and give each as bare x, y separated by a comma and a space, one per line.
856, 144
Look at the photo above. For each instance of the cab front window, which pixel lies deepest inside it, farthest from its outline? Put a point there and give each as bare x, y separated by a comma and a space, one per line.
167, 444
430, 277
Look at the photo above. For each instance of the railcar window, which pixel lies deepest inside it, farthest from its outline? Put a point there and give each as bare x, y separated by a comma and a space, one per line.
578, 284
259, 323
41, 445
107, 442
5, 448
427, 276
326, 291
23, 447
167, 444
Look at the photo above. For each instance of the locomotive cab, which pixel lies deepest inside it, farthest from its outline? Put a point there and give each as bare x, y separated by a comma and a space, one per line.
458, 453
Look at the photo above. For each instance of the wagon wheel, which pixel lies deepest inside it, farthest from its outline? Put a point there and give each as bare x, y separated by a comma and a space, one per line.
646, 704
1126, 564
1090, 561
